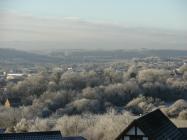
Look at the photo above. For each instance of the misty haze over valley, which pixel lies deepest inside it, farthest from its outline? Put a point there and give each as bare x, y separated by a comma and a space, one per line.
28, 32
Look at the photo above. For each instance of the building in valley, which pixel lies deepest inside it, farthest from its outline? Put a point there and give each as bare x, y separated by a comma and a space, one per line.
12, 102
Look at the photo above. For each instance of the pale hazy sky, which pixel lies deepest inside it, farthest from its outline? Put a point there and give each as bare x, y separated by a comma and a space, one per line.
93, 24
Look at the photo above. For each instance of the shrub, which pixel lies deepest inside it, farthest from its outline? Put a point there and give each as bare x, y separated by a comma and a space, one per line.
183, 114
141, 105
176, 108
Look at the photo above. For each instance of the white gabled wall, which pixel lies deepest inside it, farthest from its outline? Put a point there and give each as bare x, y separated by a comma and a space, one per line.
145, 138
139, 132
126, 138
131, 131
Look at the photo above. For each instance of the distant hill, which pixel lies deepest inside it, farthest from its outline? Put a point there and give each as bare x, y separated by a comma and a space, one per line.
108, 55
15, 56
80, 56
165, 53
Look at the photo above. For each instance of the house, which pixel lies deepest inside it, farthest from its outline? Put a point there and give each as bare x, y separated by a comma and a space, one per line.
15, 77
12, 102
183, 130
152, 126
70, 69
48, 135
